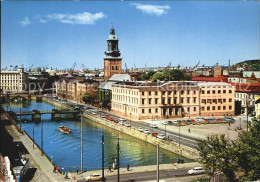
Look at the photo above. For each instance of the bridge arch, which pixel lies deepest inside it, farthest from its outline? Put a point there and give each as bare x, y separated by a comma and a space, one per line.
19, 98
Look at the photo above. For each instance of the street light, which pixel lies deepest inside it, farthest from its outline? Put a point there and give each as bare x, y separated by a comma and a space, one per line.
103, 173
118, 166
130, 119
179, 133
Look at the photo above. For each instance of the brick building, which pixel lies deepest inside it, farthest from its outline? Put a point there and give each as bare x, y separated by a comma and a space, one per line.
112, 61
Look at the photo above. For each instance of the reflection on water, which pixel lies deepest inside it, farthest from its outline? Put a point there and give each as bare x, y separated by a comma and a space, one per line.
64, 149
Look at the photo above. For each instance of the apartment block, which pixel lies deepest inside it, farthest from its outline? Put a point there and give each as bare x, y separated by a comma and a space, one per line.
217, 99
73, 88
14, 81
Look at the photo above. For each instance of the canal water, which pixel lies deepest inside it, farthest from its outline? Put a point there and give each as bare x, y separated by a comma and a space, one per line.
64, 149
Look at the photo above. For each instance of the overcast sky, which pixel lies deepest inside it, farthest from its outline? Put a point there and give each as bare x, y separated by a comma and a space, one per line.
62, 32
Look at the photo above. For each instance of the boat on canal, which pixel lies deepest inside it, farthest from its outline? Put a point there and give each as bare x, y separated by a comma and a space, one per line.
64, 129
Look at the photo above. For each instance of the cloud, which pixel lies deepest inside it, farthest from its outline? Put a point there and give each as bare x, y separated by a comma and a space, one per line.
152, 9
79, 18
43, 21
25, 22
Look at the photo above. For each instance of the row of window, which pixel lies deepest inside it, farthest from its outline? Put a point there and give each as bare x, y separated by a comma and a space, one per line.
170, 92
215, 101
128, 99
170, 101
115, 67
214, 108
216, 91
124, 91
122, 107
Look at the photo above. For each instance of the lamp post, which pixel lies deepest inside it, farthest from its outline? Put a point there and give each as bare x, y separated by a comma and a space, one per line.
179, 133
130, 119
103, 173
33, 135
165, 130
118, 166
20, 118
81, 142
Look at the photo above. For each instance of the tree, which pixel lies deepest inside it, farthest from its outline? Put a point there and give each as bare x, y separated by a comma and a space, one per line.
87, 98
247, 149
146, 76
170, 75
158, 76
217, 155
242, 155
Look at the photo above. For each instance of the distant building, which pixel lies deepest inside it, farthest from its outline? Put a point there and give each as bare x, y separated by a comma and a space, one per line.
73, 88
105, 89
217, 71
250, 73
257, 108
210, 79
112, 61
14, 81
246, 93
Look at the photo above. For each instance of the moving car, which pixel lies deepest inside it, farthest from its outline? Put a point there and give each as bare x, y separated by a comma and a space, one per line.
146, 131
93, 177
196, 170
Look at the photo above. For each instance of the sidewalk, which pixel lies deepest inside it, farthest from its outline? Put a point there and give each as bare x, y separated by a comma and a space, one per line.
44, 164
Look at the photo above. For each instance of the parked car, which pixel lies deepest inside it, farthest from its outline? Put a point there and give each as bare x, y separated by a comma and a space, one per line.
122, 119
228, 119
127, 124
93, 177
140, 129
121, 122
153, 126
196, 170
155, 134
161, 136
165, 122
102, 115
146, 131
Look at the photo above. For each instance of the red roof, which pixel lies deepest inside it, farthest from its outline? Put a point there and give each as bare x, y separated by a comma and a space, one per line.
247, 87
210, 79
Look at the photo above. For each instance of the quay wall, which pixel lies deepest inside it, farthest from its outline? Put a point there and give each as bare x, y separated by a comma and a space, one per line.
171, 146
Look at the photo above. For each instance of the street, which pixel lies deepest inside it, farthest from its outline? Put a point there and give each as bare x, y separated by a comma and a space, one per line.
148, 176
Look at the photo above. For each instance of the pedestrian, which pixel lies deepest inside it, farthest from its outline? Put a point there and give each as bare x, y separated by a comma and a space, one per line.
172, 162
113, 165
189, 130
77, 170
109, 169
127, 167
54, 170
57, 168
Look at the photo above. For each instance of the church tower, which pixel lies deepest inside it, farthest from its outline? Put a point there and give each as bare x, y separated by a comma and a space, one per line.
112, 61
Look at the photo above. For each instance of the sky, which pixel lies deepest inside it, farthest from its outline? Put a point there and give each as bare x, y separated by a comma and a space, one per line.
58, 33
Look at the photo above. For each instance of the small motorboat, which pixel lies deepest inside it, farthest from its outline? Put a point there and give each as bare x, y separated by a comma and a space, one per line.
64, 129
